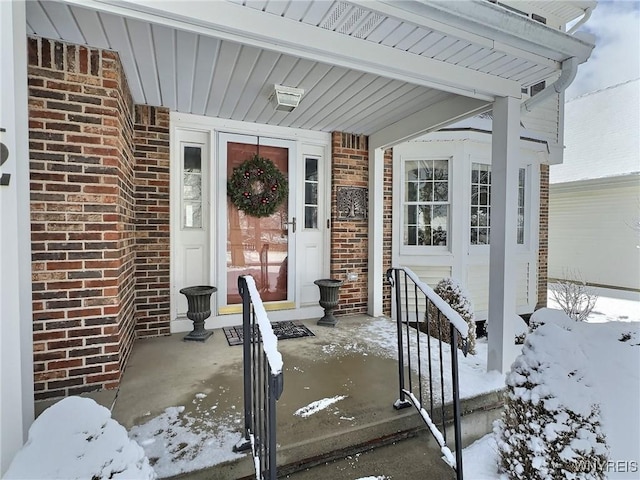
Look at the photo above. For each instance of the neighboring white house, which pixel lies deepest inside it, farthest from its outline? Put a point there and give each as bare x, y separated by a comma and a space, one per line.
594, 205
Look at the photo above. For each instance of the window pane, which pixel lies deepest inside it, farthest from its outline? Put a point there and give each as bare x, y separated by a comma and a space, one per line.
426, 170
192, 186
441, 192
425, 215
412, 192
410, 236
410, 214
310, 217
441, 170
192, 159
412, 171
424, 236
311, 193
483, 236
192, 215
311, 169
426, 192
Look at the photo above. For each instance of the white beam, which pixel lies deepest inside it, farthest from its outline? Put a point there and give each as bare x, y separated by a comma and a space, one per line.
504, 201
16, 336
430, 119
237, 23
376, 224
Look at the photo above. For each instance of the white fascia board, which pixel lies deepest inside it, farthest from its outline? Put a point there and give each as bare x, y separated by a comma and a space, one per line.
482, 137
432, 118
497, 25
236, 23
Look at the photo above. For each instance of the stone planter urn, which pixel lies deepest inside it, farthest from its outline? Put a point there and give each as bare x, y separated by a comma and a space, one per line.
329, 289
199, 300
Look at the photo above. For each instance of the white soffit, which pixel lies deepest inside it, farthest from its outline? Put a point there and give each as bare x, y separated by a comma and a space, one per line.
196, 73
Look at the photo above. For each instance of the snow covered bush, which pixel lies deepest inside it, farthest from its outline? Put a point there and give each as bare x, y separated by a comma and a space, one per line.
77, 439
456, 296
521, 329
550, 427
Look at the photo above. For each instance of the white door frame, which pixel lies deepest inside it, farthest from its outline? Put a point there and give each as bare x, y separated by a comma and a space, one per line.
16, 321
222, 139
307, 143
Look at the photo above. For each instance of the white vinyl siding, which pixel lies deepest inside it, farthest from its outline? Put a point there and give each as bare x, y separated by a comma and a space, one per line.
591, 231
478, 287
544, 117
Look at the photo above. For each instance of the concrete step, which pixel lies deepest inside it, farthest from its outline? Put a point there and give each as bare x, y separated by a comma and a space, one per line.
398, 447
415, 457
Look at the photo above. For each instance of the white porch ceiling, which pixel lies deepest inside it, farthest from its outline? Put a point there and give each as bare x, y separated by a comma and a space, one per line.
197, 73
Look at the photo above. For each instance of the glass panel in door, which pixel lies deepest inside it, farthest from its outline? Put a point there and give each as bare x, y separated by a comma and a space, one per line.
257, 246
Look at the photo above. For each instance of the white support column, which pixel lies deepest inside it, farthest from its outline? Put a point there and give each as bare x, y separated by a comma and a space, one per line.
504, 201
376, 219
16, 341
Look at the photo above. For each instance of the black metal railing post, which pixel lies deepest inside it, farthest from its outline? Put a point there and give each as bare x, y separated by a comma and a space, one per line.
245, 444
263, 382
445, 320
402, 402
457, 431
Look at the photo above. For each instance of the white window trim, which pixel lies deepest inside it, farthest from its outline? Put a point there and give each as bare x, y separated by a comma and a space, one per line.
482, 249
423, 249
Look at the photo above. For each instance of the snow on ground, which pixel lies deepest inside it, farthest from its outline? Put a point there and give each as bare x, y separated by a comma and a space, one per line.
611, 306
381, 334
318, 405
612, 354
77, 439
179, 441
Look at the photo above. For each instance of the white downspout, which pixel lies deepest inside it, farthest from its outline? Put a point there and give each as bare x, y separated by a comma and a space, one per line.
579, 23
567, 75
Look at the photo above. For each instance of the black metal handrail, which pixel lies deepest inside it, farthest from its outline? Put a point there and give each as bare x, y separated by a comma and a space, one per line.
415, 303
263, 381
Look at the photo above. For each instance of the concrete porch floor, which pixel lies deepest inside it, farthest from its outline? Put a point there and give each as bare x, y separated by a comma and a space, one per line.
206, 378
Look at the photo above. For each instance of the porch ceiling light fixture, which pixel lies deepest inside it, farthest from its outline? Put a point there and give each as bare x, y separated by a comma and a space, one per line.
285, 99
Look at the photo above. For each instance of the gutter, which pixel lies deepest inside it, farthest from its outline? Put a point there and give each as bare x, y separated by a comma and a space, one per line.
569, 66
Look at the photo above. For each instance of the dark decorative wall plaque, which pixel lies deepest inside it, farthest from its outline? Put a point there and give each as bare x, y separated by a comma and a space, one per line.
352, 203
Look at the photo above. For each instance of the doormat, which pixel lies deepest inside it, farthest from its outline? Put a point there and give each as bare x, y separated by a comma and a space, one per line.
282, 330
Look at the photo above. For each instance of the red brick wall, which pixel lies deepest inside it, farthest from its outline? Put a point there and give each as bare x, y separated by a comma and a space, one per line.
83, 213
387, 231
151, 138
543, 247
350, 238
